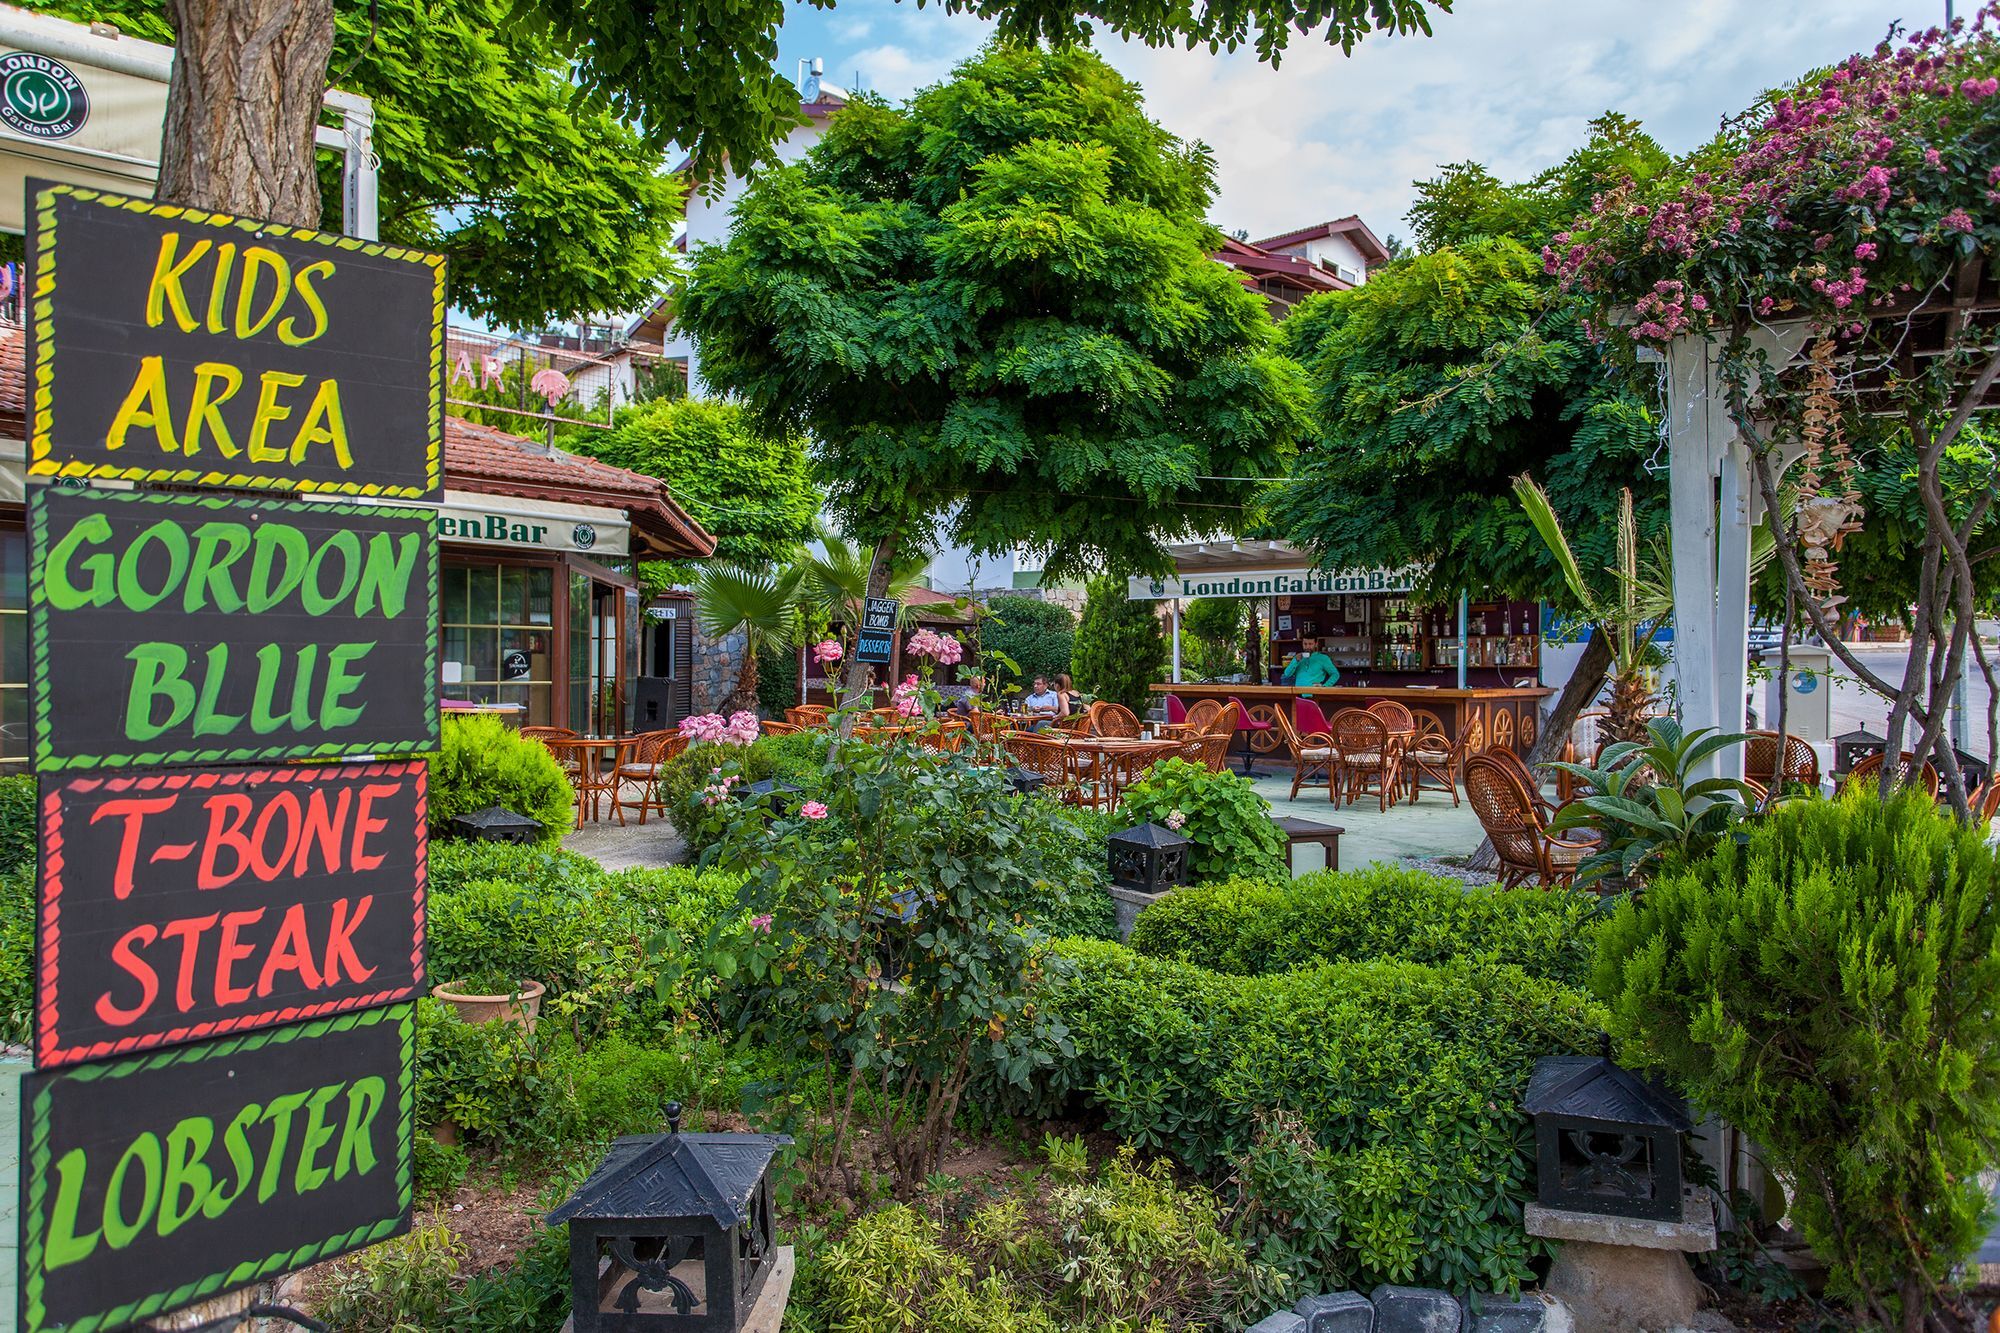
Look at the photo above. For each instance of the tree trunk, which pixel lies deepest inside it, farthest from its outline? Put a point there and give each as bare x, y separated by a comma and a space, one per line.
249, 76
1575, 697
1253, 648
745, 693
880, 566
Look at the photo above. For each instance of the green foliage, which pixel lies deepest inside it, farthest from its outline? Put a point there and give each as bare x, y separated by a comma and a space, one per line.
528, 1297
1826, 986
762, 603
995, 312
17, 822
1123, 1249
1212, 637
1250, 928
912, 871
1407, 1077
1649, 805
1220, 814
1437, 382
1037, 636
777, 680
549, 207
1467, 203
753, 491
481, 761
399, 1286
438, 1168
17, 956
1119, 650
683, 778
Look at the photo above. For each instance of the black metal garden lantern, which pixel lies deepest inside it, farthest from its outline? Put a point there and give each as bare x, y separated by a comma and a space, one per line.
1850, 748
1606, 1140
672, 1232
1025, 781
1149, 859
496, 823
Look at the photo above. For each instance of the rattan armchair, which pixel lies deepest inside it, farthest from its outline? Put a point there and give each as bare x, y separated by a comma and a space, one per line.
1512, 817
1109, 719
548, 733
651, 752
1312, 756
1363, 757
1760, 762
1908, 771
1431, 755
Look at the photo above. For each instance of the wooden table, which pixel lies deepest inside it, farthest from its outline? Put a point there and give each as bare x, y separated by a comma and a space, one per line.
1297, 831
583, 760
1507, 715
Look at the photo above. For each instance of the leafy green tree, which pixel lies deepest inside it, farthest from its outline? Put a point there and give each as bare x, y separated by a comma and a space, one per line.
1038, 637
549, 208
1212, 637
994, 312
1120, 650
752, 490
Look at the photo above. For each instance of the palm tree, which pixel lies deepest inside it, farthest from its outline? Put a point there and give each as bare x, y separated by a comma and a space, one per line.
765, 606
834, 584
1641, 598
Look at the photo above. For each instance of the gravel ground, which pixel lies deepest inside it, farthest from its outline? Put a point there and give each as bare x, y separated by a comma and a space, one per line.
1449, 869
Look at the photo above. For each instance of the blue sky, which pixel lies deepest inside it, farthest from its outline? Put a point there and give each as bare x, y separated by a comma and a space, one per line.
1511, 83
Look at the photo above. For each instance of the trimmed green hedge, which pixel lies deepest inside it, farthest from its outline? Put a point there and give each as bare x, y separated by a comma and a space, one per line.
1409, 1078
482, 761
1251, 928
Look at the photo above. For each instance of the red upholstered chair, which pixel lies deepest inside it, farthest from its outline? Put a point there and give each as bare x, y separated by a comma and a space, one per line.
1176, 710
1252, 728
1309, 718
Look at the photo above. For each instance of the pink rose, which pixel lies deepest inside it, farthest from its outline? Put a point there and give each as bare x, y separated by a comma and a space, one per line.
811, 810
826, 652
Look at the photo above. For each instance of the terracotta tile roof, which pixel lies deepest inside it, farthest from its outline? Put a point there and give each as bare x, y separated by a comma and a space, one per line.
482, 459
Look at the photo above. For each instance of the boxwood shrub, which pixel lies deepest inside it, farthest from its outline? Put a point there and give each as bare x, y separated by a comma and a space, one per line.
481, 761
1408, 1076
1251, 928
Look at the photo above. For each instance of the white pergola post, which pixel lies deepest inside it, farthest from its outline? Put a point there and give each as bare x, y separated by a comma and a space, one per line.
1715, 506
1174, 612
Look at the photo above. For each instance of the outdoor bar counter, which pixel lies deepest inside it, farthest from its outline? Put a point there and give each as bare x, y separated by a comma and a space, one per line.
1508, 715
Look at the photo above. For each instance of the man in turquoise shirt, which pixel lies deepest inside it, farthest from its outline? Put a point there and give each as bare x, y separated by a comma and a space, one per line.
1310, 667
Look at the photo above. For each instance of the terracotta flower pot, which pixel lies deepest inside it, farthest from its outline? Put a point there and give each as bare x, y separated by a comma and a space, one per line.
517, 1009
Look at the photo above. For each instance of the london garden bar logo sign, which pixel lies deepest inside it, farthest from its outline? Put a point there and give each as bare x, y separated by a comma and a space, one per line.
171, 345
225, 957
41, 98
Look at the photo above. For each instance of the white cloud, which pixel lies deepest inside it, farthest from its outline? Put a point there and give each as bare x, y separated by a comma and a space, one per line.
1510, 83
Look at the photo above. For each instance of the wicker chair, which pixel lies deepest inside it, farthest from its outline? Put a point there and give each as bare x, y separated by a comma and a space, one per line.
1363, 758
770, 728
1760, 762
1513, 820
1395, 716
1312, 756
651, 752
1109, 719
946, 736
1202, 718
548, 733
1430, 755
808, 715
1044, 757
1210, 749
1985, 800
1907, 771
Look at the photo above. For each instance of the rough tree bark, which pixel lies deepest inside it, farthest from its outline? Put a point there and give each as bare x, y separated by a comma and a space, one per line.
855, 686
249, 77
1584, 683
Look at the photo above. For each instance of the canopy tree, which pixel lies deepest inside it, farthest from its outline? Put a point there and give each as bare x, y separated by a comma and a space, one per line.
994, 312
754, 491
548, 208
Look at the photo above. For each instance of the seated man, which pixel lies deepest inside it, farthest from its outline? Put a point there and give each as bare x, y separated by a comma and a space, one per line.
1042, 704
1309, 667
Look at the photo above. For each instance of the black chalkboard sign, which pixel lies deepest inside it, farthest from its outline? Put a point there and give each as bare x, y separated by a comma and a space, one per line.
154, 1182
189, 903
877, 640
166, 344
184, 629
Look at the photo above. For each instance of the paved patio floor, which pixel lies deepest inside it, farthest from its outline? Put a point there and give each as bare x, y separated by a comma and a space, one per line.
1430, 828
634, 845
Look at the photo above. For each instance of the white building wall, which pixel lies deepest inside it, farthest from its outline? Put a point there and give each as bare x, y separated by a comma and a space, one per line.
1337, 251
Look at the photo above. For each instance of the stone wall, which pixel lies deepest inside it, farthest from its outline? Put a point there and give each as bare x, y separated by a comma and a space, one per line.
715, 667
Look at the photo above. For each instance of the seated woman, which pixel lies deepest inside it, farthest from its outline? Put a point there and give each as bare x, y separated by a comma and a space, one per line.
1065, 695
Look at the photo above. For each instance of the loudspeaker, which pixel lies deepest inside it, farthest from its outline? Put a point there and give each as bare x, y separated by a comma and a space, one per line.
653, 703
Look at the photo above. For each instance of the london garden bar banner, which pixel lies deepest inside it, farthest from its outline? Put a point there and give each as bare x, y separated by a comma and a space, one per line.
225, 957
166, 344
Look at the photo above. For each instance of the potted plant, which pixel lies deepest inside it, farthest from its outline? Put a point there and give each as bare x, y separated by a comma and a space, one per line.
488, 996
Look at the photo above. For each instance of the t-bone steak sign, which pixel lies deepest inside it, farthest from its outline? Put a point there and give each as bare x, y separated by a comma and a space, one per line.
153, 1182
186, 629
182, 904
171, 345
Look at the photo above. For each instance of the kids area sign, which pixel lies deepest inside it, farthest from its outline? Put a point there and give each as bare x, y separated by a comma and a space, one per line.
172, 345
186, 904
181, 629
153, 1182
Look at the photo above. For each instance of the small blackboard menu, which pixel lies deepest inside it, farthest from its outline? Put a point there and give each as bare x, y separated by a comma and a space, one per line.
153, 1182
184, 629
166, 344
181, 904
877, 640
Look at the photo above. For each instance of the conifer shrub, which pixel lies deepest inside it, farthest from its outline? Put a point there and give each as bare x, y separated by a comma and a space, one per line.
481, 761
1119, 651
1828, 986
